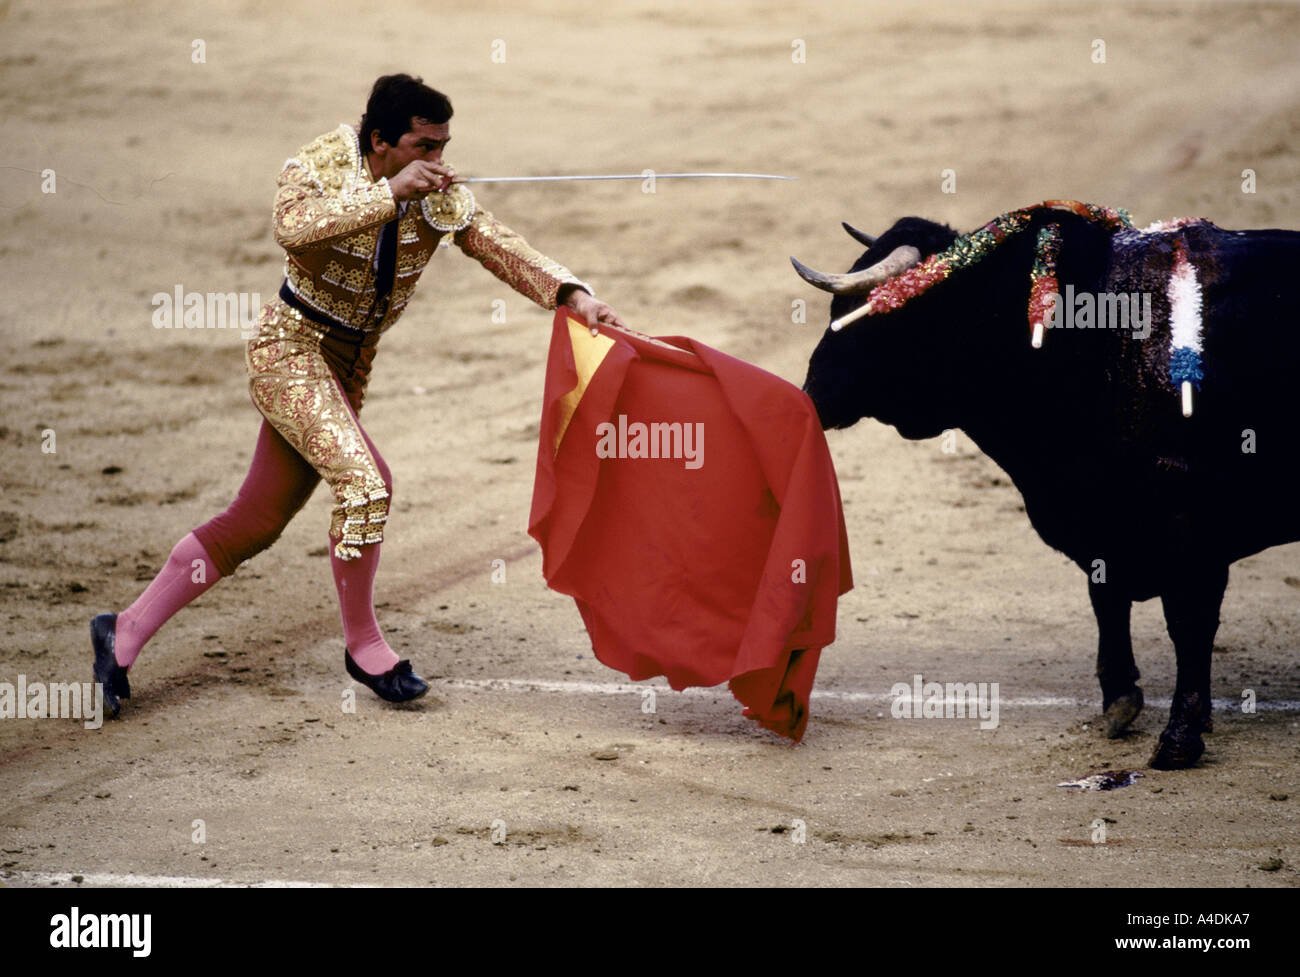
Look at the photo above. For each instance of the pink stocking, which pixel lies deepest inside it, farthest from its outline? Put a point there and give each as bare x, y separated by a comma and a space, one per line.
188, 573
354, 580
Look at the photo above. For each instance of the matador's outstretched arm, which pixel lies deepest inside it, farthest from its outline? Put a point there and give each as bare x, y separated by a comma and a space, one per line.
508, 256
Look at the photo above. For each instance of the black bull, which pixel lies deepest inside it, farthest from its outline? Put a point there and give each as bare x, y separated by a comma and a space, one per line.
1090, 428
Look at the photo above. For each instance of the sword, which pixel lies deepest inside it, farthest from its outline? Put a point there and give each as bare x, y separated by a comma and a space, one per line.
622, 176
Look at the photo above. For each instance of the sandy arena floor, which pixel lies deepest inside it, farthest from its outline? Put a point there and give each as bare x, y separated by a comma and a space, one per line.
165, 176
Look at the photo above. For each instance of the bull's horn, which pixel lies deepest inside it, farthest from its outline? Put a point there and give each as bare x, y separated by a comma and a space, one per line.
857, 282
862, 237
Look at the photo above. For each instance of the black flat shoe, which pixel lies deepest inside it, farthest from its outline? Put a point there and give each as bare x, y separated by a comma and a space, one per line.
108, 673
398, 684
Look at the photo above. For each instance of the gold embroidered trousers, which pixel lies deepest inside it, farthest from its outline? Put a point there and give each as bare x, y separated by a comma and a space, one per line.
309, 385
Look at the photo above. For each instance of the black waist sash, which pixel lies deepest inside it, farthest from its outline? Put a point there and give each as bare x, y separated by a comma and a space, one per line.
333, 327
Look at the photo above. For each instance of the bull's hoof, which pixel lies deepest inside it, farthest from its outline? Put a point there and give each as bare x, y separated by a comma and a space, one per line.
1123, 711
1178, 749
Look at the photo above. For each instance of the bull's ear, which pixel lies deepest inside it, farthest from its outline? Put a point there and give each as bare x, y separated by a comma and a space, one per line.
861, 237
927, 236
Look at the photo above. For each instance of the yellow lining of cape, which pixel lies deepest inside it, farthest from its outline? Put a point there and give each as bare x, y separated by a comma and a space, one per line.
588, 353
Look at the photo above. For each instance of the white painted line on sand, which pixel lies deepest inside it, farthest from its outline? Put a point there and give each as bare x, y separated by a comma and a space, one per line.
93, 880
630, 688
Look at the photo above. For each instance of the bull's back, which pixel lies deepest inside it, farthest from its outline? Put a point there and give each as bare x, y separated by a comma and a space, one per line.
1244, 449
1137, 477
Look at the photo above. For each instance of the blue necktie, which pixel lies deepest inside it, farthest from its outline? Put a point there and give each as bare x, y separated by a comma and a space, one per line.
387, 267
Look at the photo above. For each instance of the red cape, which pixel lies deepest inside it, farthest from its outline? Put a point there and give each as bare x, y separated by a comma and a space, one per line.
720, 561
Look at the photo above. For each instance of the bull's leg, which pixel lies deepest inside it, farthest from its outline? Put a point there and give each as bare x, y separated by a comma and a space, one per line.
1121, 699
1192, 618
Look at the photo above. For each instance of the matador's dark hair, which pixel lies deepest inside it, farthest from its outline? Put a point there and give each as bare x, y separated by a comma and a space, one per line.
394, 100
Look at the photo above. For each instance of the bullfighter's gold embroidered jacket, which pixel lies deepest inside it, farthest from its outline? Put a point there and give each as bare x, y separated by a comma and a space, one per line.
328, 215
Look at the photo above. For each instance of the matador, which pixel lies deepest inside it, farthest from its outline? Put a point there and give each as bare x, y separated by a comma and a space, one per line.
359, 212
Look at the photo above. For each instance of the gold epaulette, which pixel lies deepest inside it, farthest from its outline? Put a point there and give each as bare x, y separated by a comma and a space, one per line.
330, 160
450, 210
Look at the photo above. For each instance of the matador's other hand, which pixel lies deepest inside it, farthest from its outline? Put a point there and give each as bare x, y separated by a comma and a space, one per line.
592, 309
420, 176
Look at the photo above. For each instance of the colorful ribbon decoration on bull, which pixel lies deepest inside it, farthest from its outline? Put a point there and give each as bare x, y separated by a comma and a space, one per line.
1043, 286
1184, 291
1183, 288
975, 246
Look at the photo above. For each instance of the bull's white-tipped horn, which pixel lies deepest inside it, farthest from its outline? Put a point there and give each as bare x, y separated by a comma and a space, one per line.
896, 262
862, 237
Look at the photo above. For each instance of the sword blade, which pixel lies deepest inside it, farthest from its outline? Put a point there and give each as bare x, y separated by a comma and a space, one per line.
623, 176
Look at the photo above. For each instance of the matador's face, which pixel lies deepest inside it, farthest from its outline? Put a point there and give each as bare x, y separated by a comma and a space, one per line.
425, 140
